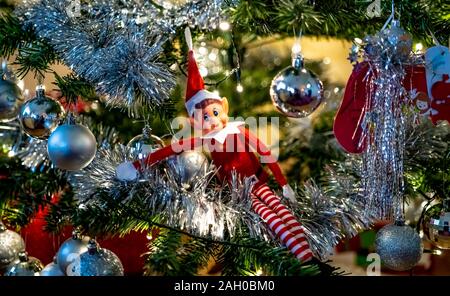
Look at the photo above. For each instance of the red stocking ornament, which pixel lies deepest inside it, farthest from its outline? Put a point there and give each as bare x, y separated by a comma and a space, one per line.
347, 123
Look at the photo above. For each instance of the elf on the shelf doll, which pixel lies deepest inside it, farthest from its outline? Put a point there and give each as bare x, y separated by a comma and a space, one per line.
232, 149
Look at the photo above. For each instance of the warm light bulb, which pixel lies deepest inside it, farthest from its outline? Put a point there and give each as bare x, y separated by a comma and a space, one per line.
212, 56
224, 26
21, 84
203, 50
239, 88
437, 252
297, 48
419, 46
203, 71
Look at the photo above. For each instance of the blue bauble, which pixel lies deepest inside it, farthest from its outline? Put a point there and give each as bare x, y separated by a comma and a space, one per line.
71, 147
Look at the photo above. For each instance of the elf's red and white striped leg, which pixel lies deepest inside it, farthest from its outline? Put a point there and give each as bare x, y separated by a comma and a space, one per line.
299, 248
273, 201
264, 193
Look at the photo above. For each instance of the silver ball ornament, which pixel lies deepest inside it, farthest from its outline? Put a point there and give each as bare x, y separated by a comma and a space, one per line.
52, 269
71, 147
399, 246
296, 91
144, 144
436, 225
40, 116
10, 100
187, 167
11, 244
25, 266
97, 262
70, 251
399, 39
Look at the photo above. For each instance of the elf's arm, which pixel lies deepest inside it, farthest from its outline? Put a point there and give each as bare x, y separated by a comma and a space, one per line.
272, 163
263, 150
128, 171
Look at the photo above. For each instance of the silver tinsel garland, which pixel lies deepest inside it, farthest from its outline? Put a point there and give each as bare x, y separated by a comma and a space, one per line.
207, 209
116, 54
330, 216
388, 53
206, 15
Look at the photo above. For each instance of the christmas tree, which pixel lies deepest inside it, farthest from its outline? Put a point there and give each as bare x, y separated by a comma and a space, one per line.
104, 153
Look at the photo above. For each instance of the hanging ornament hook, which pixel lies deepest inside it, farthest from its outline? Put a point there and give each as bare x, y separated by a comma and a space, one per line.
297, 57
391, 16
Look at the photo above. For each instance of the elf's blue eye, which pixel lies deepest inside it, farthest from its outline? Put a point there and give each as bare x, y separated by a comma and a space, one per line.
215, 112
206, 117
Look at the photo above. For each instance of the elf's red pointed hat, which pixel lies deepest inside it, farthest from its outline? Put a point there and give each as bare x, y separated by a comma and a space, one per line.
195, 90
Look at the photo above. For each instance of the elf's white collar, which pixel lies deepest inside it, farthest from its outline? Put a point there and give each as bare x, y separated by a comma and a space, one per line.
229, 129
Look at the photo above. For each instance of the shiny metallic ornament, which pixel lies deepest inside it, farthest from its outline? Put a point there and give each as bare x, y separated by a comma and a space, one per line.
188, 167
40, 116
11, 244
97, 262
436, 225
52, 269
399, 39
144, 144
10, 100
25, 266
71, 147
296, 91
70, 251
399, 246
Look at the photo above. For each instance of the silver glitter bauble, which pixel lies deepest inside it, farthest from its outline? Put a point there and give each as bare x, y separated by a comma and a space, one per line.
144, 144
187, 167
40, 116
436, 225
296, 91
11, 244
71, 147
25, 266
399, 246
97, 262
10, 100
52, 269
399, 39
70, 251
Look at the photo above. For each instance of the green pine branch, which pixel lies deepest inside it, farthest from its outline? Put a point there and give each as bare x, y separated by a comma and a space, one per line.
24, 192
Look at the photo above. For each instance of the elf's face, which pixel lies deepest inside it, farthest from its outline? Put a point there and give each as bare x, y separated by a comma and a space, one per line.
213, 116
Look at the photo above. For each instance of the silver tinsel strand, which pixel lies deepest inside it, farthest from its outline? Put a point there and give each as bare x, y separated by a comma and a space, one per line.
388, 53
116, 54
329, 216
205, 15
